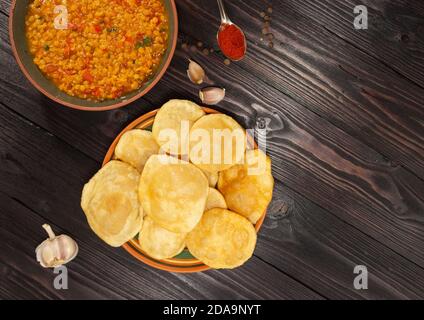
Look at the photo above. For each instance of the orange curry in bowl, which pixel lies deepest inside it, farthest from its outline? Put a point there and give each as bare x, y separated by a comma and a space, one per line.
97, 49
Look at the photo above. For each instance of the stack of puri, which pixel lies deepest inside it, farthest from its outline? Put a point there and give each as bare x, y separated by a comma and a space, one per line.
174, 194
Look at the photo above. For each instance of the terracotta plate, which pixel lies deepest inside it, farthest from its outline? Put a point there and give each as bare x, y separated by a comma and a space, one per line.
184, 262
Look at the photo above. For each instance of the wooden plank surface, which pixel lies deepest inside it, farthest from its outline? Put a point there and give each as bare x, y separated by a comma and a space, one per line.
329, 76
40, 179
397, 30
345, 135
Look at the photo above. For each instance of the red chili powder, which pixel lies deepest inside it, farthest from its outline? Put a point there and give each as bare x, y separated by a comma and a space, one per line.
232, 42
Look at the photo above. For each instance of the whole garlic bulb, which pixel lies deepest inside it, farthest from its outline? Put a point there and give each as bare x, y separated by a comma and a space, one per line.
56, 250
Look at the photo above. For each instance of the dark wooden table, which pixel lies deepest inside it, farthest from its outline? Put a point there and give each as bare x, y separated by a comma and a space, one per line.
345, 113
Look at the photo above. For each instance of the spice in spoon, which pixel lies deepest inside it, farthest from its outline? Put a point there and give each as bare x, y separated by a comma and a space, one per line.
231, 39
232, 42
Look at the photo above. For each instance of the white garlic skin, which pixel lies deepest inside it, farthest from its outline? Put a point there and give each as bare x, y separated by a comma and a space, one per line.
195, 72
56, 250
212, 95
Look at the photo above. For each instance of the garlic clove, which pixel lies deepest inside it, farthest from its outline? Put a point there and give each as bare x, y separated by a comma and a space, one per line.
56, 250
195, 72
212, 95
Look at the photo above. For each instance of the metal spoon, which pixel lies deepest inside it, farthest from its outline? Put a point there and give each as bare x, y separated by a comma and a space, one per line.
226, 21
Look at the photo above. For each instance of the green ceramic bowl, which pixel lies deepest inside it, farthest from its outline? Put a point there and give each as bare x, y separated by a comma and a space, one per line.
18, 10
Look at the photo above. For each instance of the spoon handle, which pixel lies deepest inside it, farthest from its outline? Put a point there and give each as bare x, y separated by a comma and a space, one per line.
224, 17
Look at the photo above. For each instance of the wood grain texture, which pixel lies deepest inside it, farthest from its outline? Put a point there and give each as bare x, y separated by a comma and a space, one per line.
89, 132
396, 30
320, 161
40, 179
322, 251
344, 131
326, 74
121, 279
45, 202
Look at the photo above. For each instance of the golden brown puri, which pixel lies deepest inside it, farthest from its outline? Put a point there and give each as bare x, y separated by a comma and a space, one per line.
247, 188
210, 207
215, 200
212, 178
173, 193
222, 239
217, 142
158, 242
110, 203
172, 125
135, 147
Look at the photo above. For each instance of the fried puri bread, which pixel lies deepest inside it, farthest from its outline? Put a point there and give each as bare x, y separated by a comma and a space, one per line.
222, 239
215, 200
212, 178
247, 188
173, 193
172, 125
135, 147
110, 203
217, 142
158, 242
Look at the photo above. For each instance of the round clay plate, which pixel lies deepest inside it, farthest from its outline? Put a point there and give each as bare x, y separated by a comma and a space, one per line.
184, 262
